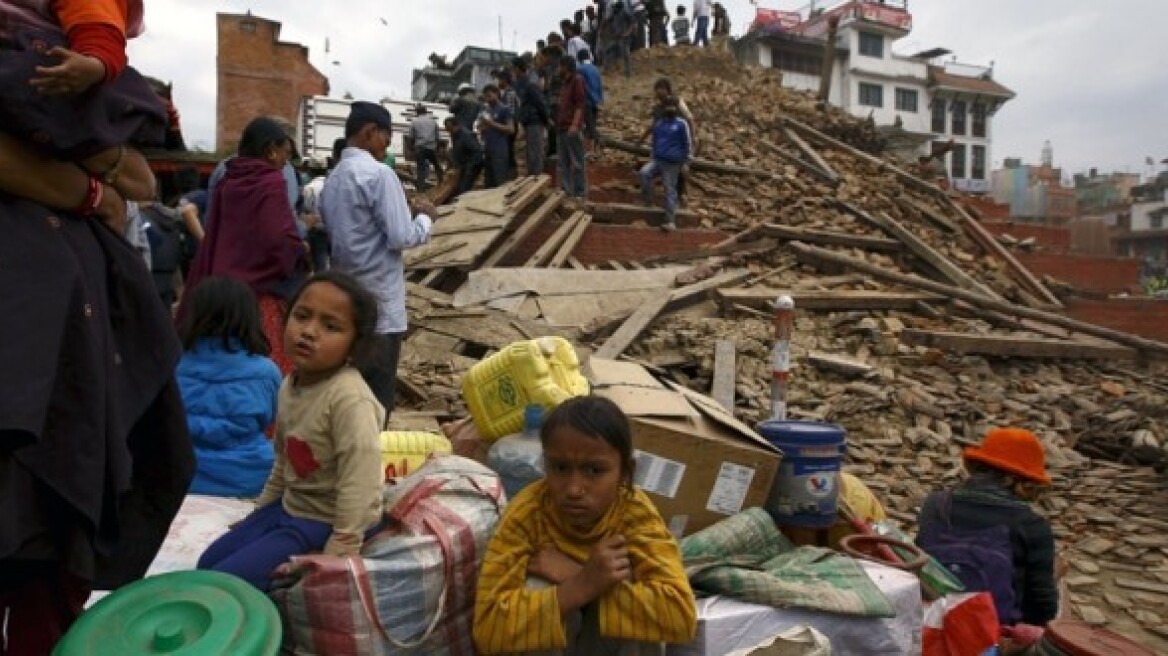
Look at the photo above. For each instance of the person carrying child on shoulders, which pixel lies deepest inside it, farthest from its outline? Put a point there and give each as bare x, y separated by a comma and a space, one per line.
672, 147
325, 490
581, 562
986, 532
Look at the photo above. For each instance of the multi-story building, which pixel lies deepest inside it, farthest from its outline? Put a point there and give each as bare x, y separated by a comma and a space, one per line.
921, 100
1148, 234
1035, 194
259, 75
438, 82
1104, 193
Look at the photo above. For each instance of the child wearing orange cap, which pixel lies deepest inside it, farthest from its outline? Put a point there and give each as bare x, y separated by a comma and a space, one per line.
987, 533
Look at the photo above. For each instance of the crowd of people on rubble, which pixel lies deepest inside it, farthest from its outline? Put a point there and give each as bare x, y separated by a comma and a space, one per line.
275, 375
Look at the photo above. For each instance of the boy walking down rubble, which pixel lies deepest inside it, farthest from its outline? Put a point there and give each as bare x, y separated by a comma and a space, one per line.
672, 146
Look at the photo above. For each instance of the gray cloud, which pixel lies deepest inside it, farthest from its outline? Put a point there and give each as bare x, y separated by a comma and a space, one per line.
1086, 72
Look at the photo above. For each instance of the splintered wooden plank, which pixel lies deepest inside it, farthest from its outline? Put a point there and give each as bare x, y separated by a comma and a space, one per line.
725, 373
645, 315
938, 219
495, 201
564, 254
942, 264
581, 309
827, 299
811, 154
537, 218
576, 264
486, 284
862, 242
984, 239
548, 249
799, 161
1014, 347
493, 331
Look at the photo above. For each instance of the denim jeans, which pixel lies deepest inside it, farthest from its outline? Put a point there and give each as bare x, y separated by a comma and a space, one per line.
535, 156
426, 157
573, 174
702, 32
669, 172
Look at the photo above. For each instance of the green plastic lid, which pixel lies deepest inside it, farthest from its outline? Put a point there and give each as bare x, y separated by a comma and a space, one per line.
195, 613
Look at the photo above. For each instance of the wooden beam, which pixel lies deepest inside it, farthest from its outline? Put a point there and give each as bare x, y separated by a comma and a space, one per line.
862, 242
1014, 347
546, 250
576, 264
828, 299
725, 373
800, 162
526, 228
910, 204
811, 154
813, 253
904, 176
991, 245
629, 213
645, 315
944, 265
564, 254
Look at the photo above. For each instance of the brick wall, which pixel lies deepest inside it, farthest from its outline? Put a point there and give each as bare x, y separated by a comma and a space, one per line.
1140, 316
259, 76
621, 243
1048, 237
988, 208
1095, 274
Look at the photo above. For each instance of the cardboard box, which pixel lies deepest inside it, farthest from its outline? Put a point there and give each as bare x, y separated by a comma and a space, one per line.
697, 462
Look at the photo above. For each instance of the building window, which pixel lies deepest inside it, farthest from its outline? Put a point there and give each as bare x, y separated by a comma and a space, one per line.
939, 116
871, 95
793, 62
248, 27
958, 108
1157, 221
978, 113
957, 162
871, 45
906, 100
978, 165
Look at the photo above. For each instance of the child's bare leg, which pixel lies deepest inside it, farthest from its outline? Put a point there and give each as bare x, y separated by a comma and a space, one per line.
133, 179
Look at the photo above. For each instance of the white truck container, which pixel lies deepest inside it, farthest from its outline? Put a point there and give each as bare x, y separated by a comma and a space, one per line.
322, 121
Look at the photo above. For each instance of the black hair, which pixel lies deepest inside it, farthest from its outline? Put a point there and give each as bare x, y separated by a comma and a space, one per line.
260, 136
520, 63
339, 145
491, 87
663, 83
224, 308
364, 306
568, 62
597, 417
554, 51
680, 10
505, 77
670, 101
583, 56
540, 44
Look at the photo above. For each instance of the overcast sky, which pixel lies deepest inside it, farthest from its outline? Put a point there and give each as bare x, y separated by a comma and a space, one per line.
1085, 71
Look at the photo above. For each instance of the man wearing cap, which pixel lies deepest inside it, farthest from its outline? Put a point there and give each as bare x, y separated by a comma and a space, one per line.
985, 528
370, 223
424, 137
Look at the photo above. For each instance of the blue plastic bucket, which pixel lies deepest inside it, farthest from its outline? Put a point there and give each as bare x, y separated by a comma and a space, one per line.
806, 491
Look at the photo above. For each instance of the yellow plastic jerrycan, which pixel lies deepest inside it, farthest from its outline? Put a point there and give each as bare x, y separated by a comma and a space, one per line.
403, 452
499, 388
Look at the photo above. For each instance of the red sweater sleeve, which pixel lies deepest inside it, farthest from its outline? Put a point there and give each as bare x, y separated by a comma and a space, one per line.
103, 42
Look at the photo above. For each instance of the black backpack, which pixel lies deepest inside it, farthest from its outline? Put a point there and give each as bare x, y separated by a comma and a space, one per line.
170, 246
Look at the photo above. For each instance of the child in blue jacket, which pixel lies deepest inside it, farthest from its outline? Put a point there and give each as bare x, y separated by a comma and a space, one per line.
672, 146
229, 386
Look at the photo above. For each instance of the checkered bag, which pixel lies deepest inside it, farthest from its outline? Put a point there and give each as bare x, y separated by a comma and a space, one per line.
412, 589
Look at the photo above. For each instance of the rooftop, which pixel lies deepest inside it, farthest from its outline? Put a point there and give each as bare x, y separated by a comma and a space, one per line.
984, 85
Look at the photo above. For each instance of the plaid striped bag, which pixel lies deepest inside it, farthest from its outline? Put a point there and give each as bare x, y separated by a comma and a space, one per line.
412, 589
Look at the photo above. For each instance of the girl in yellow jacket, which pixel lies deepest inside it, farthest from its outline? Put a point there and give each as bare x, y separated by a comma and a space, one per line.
582, 562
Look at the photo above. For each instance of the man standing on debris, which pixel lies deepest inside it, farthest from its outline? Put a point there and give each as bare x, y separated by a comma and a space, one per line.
681, 28
533, 115
496, 127
721, 20
424, 137
616, 33
466, 107
594, 88
662, 89
672, 146
658, 23
701, 12
370, 223
466, 155
569, 121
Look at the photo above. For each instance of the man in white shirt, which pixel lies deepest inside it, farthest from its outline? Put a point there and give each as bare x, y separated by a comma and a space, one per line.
370, 223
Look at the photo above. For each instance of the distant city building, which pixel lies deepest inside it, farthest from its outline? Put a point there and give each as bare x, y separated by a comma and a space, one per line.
1104, 194
921, 101
439, 81
258, 75
1148, 234
1035, 194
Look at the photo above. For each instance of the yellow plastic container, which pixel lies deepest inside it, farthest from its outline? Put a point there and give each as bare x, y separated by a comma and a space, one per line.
403, 452
564, 365
497, 389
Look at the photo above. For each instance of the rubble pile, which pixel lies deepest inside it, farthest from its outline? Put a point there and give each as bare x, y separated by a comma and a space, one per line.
916, 331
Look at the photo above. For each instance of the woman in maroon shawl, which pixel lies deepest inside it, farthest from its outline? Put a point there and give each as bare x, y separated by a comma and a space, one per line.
251, 235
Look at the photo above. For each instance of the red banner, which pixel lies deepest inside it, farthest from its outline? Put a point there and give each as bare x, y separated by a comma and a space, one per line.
886, 15
775, 19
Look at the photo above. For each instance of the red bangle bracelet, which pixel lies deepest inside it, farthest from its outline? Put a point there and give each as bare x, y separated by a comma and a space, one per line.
93, 196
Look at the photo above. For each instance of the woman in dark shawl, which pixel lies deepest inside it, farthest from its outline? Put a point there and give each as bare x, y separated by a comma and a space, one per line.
94, 453
251, 235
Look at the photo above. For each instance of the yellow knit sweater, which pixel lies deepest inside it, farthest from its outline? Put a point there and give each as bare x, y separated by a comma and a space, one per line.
657, 606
